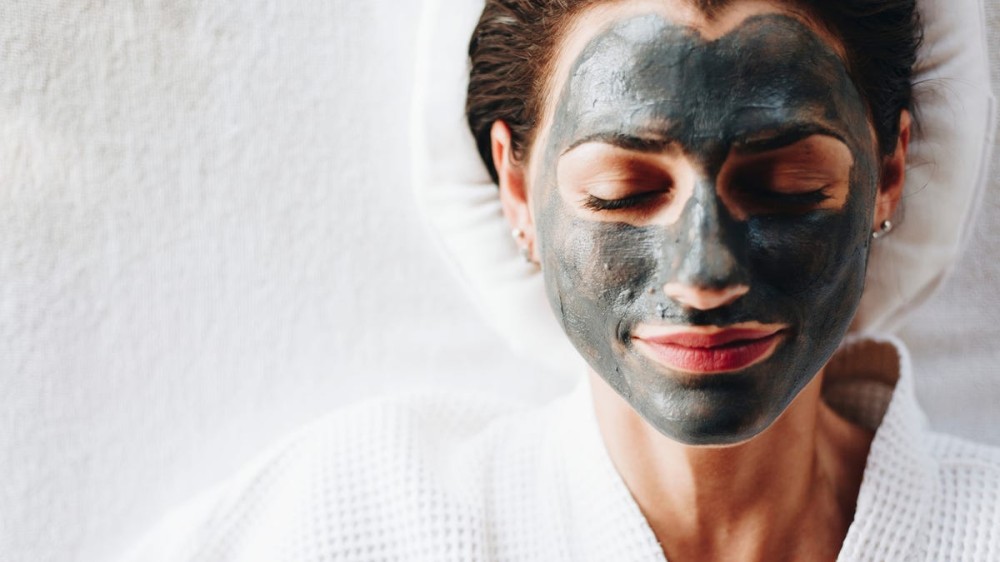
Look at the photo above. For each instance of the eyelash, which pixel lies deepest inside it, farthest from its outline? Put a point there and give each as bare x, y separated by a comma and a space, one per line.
598, 204
810, 198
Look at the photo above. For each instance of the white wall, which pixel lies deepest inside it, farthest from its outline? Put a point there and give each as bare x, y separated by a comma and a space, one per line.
207, 238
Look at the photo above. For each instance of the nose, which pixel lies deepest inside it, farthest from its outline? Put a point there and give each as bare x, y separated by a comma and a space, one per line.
701, 298
708, 273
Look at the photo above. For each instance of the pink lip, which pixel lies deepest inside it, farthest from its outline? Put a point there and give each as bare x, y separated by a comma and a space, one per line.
711, 352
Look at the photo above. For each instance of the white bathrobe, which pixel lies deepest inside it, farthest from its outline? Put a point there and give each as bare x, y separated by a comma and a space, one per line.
445, 478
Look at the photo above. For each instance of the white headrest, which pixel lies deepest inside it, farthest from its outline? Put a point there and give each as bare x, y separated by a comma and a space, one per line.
947, 170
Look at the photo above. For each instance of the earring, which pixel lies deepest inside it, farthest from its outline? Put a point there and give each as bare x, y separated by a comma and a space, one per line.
519, 235
884, 229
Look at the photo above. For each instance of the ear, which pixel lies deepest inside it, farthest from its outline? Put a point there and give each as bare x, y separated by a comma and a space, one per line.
893, 174
513, 189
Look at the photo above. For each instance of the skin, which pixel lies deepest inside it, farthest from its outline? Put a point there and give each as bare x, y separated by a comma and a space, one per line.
752, 184
640, 87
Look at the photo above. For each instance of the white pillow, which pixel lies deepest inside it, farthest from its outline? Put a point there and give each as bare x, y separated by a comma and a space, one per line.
949, 157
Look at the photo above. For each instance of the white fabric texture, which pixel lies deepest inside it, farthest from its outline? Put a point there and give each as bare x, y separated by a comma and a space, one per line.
948, 164
444, 478
957, 327
460, 203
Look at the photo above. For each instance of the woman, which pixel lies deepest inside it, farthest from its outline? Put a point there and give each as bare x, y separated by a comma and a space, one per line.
700, 184
703, 187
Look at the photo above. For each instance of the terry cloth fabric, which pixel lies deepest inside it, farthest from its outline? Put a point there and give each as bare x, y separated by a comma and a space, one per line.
441, 478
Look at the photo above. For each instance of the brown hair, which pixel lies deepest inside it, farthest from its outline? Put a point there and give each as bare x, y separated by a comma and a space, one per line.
513, 45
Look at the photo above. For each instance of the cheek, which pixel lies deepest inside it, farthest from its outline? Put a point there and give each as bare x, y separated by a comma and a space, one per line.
816, 265
792, 255
598, 276
611, 262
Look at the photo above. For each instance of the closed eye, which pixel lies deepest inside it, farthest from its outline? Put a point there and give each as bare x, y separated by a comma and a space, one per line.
609, 183
812, 196
809, 175
597, 204
765, 199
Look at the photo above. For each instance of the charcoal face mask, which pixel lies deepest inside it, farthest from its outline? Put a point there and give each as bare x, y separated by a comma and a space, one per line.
804, 269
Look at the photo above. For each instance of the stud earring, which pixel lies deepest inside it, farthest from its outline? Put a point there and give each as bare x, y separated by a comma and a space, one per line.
519, 235
884, 228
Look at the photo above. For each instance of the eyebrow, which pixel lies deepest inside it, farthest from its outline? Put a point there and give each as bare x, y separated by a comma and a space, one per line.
626, 141
757, 140
786, 134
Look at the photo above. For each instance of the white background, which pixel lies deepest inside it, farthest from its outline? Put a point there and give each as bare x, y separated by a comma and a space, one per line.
207, 239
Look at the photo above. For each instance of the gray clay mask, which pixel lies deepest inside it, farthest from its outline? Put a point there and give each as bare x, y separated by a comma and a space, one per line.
742, 113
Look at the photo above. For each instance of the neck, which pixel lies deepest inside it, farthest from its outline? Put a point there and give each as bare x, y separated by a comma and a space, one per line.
788, 493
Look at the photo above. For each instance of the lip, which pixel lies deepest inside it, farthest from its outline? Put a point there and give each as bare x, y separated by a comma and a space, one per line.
709, 350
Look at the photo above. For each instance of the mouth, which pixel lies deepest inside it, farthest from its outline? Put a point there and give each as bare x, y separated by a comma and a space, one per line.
708, 350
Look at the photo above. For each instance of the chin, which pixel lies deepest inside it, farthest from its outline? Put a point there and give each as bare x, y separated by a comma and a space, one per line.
710, 431
717, 410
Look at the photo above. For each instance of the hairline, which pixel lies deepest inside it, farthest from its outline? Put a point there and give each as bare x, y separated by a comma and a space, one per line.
555, 70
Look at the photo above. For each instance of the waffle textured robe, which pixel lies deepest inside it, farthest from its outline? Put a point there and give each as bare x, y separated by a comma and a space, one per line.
441, 478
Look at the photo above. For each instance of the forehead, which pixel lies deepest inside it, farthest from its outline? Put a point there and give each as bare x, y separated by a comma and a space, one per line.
591, 22
643, 67
651, 72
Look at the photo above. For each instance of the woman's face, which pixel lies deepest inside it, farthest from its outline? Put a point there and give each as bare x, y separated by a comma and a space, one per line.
702, 200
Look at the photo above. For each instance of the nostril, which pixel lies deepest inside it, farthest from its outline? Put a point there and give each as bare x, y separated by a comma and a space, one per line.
702, 298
